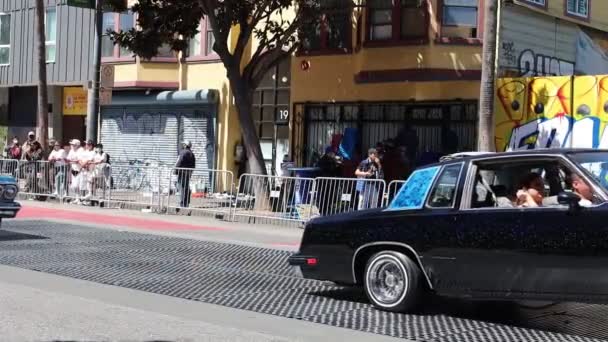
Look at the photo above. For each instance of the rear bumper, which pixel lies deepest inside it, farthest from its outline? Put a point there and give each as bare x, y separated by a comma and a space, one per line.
300, 265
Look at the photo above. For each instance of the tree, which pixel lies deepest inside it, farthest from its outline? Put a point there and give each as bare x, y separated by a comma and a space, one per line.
488, 78
274, 24
42, 121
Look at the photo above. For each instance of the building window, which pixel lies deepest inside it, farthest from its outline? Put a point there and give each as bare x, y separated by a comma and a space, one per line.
116, 22
333, 30
5, 38
397, 20
50, 25
579, 8
459, 18
201, 45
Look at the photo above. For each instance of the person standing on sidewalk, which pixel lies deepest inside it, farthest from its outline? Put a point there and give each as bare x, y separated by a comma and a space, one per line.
184, 167
74, 160
369, 170
57, 160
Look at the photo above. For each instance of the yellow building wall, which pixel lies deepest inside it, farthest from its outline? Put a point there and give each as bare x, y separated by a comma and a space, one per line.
546, 112
213, 76
125, 72
557, 8
158, 72
332, 78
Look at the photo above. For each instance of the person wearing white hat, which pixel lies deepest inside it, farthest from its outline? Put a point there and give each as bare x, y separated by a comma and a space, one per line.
73, 158
27, 145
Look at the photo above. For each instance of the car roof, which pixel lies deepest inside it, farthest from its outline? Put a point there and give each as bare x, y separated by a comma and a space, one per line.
474, 155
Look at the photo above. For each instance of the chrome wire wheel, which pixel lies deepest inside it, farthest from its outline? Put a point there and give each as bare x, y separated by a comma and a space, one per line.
387, 280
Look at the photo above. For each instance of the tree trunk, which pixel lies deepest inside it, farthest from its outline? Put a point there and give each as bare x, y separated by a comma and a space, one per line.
488, 78
251, 141
260, 185
42, 121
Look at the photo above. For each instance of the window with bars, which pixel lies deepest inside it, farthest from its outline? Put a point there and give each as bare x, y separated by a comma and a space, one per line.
333, 30
50, 25
5, 38
579, 8
459, 18
397, 20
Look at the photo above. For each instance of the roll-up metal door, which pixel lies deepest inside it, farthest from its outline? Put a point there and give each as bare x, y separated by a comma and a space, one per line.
140, 134
198, 126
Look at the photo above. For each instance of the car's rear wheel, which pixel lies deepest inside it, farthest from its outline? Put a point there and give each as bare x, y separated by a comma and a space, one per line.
392, 282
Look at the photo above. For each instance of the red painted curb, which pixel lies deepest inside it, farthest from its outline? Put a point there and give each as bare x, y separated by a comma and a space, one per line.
110, 219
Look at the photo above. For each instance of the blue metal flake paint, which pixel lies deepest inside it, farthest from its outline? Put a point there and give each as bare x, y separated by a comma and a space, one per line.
414, 192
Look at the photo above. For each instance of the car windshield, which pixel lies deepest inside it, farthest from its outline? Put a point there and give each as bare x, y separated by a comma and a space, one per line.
595, 163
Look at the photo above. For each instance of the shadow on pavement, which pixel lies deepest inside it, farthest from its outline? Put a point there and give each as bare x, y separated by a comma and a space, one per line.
565, 318
7, 235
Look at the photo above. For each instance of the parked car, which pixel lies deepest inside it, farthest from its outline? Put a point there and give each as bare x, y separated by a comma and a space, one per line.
458, 228
8, 192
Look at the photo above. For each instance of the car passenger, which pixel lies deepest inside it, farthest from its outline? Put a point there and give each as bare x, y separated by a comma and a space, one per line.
531, 191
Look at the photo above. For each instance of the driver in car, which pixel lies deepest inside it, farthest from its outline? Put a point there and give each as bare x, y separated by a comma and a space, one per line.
582, 189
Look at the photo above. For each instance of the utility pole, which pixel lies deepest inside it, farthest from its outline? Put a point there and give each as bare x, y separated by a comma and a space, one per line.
93, 93
42, 119
486, 128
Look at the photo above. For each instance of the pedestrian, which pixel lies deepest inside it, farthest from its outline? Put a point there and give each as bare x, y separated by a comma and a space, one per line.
369, 170
99, 172
184, 168
33, 156
13, 153
74, 160
57, 161
27, 145
87, 166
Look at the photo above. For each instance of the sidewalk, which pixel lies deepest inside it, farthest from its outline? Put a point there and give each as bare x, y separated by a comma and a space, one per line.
201, 228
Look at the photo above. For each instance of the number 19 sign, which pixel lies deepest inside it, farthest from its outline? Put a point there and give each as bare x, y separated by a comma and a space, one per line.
282, 115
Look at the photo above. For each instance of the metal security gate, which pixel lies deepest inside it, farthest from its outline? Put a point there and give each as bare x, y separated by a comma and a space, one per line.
421, 126
147, 130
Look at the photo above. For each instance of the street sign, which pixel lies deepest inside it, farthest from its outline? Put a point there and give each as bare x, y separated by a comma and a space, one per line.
82, 3
107, 76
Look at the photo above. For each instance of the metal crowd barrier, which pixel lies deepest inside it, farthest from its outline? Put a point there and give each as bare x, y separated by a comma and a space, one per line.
283, 199
341, 195
259, 199
135, 187
393, 189
202, 190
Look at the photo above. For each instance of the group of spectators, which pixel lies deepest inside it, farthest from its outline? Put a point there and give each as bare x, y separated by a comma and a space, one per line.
72, 167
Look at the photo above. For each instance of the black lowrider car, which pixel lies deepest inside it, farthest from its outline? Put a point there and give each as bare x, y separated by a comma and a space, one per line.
8, 192
457, 228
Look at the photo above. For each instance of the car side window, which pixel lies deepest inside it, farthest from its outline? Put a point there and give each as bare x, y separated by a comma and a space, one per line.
443, 194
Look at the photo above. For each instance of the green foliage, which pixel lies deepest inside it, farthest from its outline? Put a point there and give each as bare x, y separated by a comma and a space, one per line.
174, 22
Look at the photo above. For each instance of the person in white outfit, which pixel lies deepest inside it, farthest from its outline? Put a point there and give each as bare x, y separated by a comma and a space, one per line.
99, 172
73, 159
57, 159
87, 164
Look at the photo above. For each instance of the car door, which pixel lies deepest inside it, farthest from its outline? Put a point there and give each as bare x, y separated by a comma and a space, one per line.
550, 251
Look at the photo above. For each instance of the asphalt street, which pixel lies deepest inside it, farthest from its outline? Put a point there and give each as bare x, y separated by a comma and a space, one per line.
93, 275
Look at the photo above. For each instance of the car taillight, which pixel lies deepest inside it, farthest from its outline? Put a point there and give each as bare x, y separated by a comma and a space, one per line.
311, 261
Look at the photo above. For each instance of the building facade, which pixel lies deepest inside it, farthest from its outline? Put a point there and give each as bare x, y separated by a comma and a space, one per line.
69, 38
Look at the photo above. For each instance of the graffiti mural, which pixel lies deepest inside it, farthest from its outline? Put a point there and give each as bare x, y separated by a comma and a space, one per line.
551, 112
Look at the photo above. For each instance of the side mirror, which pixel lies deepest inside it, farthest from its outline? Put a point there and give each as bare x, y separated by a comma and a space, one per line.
569, 198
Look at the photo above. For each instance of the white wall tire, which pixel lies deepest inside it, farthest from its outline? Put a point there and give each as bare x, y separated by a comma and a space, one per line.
392, 282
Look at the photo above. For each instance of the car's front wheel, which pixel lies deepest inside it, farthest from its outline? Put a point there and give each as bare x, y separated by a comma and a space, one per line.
392, 282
